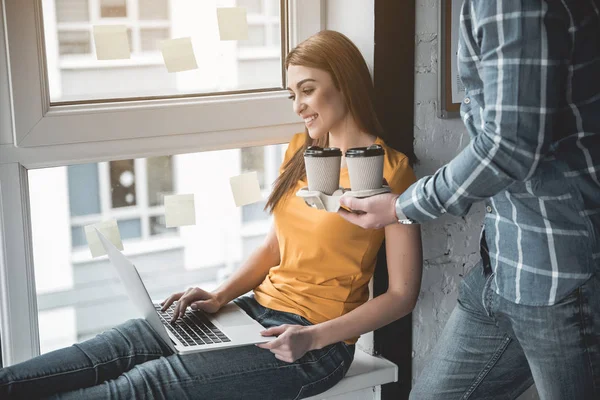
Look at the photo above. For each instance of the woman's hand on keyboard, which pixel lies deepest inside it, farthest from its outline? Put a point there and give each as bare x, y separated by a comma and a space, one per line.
195, 298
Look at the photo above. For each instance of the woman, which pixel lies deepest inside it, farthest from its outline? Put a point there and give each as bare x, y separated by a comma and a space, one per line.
309, 278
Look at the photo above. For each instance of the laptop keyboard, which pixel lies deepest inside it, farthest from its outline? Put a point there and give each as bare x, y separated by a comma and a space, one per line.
193, 328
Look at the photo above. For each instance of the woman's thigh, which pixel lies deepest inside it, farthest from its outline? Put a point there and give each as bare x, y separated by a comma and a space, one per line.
247, 372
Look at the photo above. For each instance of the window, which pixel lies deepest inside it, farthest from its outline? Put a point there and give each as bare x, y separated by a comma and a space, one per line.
223, 66
132, 192
137, 97
60, 122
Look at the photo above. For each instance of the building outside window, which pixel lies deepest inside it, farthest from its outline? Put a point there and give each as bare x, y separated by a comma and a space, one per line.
76, 75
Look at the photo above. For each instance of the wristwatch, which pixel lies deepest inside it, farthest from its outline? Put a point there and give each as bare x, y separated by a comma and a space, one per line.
402, 219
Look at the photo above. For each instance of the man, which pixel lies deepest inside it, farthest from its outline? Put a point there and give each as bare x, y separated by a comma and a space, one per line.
530, 312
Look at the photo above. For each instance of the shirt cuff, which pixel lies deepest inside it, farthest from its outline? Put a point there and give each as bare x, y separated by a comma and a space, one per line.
399, 214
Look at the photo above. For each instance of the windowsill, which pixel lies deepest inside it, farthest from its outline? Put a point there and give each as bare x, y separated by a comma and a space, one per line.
132, 247
365, 372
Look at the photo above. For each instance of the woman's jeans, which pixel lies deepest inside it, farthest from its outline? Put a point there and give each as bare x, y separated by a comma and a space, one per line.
132, 362
492, 348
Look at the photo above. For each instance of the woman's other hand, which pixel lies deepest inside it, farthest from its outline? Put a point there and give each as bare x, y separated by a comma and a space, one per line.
195, 298
293, 341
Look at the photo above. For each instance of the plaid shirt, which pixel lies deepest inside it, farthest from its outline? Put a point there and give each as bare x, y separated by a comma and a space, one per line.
531, 69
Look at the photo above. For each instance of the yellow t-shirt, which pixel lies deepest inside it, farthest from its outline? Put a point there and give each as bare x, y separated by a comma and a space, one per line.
326, 262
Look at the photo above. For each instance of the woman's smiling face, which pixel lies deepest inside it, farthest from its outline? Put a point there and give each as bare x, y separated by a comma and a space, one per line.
316, 99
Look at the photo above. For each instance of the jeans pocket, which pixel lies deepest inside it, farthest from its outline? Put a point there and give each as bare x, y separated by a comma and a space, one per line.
302, 320
291, 318
471, 288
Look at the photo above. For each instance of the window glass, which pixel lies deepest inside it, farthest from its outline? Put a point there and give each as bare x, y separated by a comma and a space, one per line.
74, 42
151, 38
252, 6
130, 228
254, 212
72, 10
77, 237
122, 183
256, 37
83, 294
160, 179
154, 9
113, 8
158, 227
84, 195
223, 66
273, 7
276, 34
253, 160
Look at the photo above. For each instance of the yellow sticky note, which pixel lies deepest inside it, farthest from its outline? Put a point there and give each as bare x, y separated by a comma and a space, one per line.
233, 23
111, 42
110, 229
180, 210
178, 54
245, 188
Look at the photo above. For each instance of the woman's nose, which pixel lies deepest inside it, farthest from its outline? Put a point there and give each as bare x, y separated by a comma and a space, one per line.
298, 106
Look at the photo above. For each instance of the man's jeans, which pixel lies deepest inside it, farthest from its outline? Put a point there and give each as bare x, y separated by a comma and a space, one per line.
492, 348
131, 362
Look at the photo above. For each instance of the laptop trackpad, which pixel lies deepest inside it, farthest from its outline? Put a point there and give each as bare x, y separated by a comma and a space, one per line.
229, 317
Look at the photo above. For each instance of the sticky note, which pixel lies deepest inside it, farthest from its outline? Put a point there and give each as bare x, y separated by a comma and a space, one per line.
178, 54
233, 23
180, 210
110, 229
245, 188
111, 42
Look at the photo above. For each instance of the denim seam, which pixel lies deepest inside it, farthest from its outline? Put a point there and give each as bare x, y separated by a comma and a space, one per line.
78, 369
262, 316
344, 346
271, 366
308, 385
584, 326
486, 295
487, 368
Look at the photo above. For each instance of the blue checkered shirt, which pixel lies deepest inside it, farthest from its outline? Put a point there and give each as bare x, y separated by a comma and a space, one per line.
531, 69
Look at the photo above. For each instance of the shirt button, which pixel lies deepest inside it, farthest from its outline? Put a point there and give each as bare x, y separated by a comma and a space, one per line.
467, 100
488, 209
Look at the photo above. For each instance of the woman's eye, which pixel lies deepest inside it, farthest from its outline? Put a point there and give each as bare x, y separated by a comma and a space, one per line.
291, 97
308, 91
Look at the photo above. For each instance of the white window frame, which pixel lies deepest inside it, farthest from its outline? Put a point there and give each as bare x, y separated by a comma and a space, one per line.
45, 136
38, 123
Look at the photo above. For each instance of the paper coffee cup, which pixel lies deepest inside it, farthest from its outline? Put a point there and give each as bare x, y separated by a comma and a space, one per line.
365, 167
323, 168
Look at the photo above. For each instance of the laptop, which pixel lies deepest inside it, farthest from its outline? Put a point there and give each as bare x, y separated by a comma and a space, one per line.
196, 331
